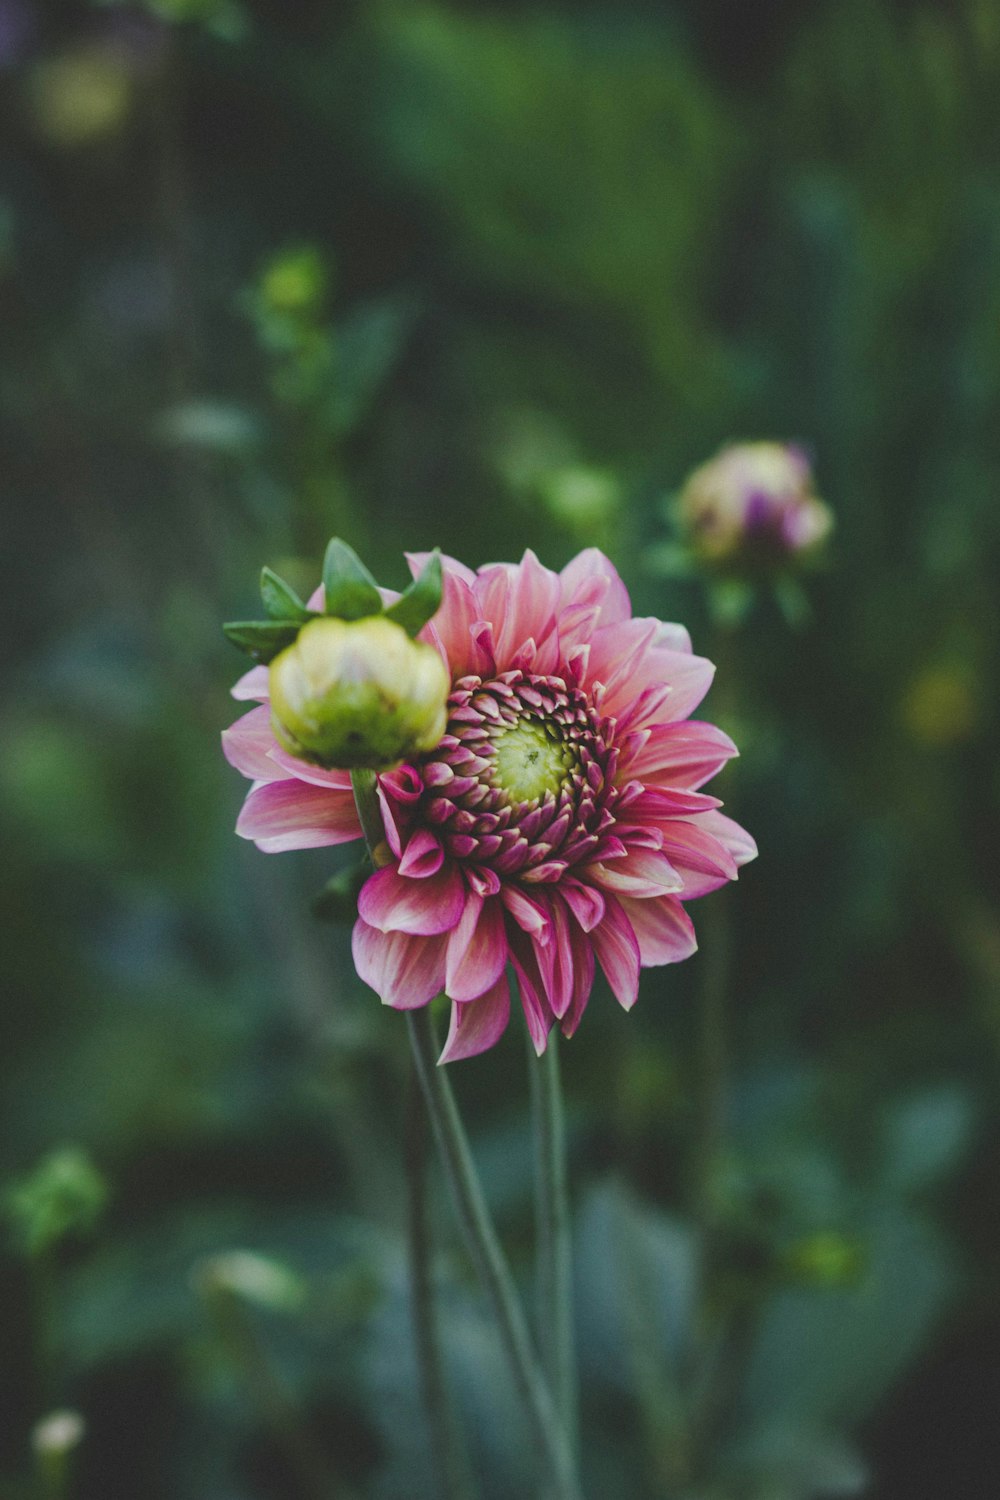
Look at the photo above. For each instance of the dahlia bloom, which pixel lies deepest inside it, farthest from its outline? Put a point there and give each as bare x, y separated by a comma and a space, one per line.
559, 823
754, 505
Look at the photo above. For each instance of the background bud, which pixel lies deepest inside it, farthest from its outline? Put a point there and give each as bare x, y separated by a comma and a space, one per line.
753, 506
357, 694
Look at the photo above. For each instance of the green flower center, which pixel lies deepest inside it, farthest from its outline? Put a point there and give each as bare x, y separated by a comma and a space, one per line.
530, 759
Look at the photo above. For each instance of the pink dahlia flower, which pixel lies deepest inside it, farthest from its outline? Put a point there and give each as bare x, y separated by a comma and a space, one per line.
558, 825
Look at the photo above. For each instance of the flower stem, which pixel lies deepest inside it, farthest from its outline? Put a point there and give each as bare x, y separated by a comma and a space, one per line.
446, 1439
555, 1275
364, 786
484, 1247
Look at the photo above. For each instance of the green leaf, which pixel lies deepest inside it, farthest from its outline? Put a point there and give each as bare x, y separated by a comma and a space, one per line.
280, 600
338, 900
351, 591
261, 639
421, 600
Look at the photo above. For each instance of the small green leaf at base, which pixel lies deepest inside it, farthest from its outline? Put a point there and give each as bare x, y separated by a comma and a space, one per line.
261, 639
280, 600
351, 591
422, 600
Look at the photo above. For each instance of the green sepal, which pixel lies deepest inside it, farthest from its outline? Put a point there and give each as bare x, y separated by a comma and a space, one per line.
422, 600
351, 591
262, 639
338, 900
280, 600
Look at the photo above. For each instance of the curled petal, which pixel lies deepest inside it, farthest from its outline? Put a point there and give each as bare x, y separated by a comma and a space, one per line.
423, 855
733, 838
405, 971
533, 1002
393, 903
253, 684
291, 814
642, 872
477, 1024
593, 578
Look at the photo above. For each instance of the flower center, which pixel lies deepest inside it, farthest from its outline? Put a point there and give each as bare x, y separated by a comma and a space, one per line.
530, 759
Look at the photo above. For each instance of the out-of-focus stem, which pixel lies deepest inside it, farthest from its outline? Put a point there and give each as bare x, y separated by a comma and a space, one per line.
484, 1247
555, 1266
449, 1451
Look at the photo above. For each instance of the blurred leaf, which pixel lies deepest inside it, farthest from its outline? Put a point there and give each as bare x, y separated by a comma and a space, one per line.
64, 1196
261, 639
369, 340
925, 1138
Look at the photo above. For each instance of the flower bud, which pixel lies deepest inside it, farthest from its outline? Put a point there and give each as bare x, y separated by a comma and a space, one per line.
358, 693
753, 507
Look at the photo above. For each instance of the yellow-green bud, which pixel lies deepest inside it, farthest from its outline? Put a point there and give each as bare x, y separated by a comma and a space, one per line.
358, 693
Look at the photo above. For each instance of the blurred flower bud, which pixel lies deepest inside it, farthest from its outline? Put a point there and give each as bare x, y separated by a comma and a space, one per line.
58, 1433
295, 281
825, 1259
580, 498
80, 97
753, 508
255, 1278
63, 1196
358, 693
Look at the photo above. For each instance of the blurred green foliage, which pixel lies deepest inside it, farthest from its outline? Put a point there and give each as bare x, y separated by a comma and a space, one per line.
492, 276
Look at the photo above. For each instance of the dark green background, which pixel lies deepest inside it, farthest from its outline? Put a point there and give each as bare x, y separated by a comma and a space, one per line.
563, 245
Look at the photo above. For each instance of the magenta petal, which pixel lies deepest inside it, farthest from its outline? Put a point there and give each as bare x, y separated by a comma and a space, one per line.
691, 843
585, 902
555, 960
405, 971
730, 835
684, 755
477, 949
663, 929
423, 855
618, 953
294, 815
303, 770
247, 745
477, 1024
583, 983
529, 914
393, 903
536, 1010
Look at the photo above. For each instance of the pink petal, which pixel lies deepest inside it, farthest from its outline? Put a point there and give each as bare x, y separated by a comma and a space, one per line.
477, 949
555, 960
248, 744
477, 1024
304, 770
450, 566
536, 1010
585, 902
422, 856
685, 755
663, 929
254, 684
583, 983
735, 839
529, 914
693, 845
643, 872
577, 581
452, 630
618, 954
521, 600
405, 971
294, 815
393, 903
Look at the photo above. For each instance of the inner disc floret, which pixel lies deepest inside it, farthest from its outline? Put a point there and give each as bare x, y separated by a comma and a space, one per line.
530, 759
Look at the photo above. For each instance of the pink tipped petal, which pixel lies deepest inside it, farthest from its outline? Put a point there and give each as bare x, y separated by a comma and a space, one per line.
536, 1009
304, 770
293, 815
452, 628
555, 961
423, 855
450, 566
583, 983
577, 580
735, 839
693, 845
683, 755
642, 872
392, 821
663, 929
477, 949
477, 1024
248, 744
405, 971
392, 903
530, 915
585, 902
618, 954
254, 684
522, 601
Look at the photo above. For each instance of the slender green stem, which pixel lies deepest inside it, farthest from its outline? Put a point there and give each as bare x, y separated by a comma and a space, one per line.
484, 1247
446, 1439
555, 1265
364, 785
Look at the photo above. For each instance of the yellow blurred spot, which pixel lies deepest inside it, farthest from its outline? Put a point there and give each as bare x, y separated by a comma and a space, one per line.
295, 281
941, 705
81, 97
